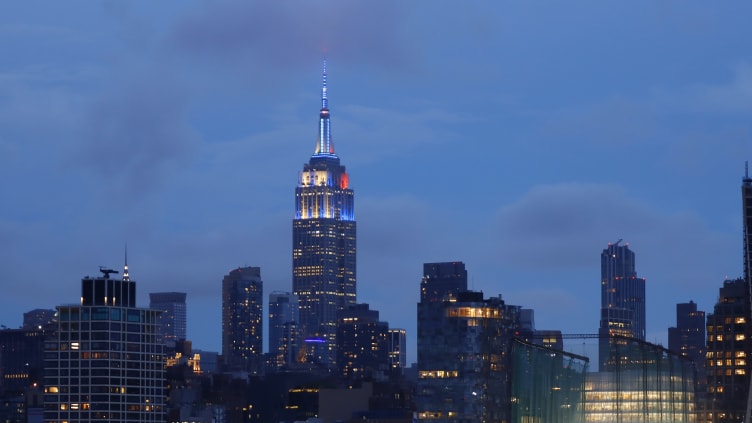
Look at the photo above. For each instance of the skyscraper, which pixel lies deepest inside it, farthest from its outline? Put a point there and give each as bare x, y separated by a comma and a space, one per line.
622, 301
463, 359
242, 312
442, 281
397, 348
747, 226
688, 340
323, 242
283, 327
105, 362
362, 343
728, 355
729, 344
172, 320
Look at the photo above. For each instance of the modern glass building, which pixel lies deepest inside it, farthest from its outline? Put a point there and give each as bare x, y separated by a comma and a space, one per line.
173, 317
242, 316
464, 359
687, 339
397, 348
283, 328
323, 243
653, 385
548, 385
622, 302
105, 362
442, 281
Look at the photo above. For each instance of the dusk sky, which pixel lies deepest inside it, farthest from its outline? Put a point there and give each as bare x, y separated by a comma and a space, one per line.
518, 137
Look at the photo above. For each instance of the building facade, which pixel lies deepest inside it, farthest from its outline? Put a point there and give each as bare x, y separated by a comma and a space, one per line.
397, 348
622, 302
362, 344
173, 324
21, 359
728, 352
242, 316
39, 319
105, 362
283, 328
323, 244
464, 359
442, 281
687, 339
747, 224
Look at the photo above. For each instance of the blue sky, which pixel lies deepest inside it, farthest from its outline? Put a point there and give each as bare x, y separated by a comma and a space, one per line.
518, 137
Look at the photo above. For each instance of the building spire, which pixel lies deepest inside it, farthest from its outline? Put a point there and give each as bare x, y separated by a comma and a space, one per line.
325, 145
126, 277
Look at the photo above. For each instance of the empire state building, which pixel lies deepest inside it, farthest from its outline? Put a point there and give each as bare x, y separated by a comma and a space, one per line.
323, 244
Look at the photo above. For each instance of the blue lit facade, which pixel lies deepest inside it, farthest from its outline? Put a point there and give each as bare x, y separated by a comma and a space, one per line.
323, 252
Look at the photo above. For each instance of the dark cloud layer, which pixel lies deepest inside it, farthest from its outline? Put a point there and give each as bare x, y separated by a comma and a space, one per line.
295, 34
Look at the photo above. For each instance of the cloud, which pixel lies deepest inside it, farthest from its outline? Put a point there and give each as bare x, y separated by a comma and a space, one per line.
730, 98
293, 34
132, 132
564, 226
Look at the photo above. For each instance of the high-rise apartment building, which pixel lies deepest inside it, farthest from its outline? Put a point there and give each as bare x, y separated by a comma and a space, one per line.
323, 243
622, 302
362, 343
283, 328
21, 359
442, 281
729, 346
173, 316
397, 348
463, 359
242, 316
729, 349
105, 362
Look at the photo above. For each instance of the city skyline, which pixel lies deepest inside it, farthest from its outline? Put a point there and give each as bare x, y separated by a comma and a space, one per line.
521, 142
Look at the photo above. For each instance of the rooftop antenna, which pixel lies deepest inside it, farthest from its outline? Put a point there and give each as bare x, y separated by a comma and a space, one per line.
126, 277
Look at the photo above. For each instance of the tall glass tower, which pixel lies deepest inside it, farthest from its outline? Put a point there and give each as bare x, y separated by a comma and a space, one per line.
622, 302
242, 313
323, 244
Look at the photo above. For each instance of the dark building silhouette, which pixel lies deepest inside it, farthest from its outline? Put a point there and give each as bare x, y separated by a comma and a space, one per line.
242, 314
173, 317
283, 328
729, 345
463, 358
442, 281
397, 348
728, 352
105, 362
747, 225
39, 319
687, 339
323, 244
622, 302
21, 360
362, 343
